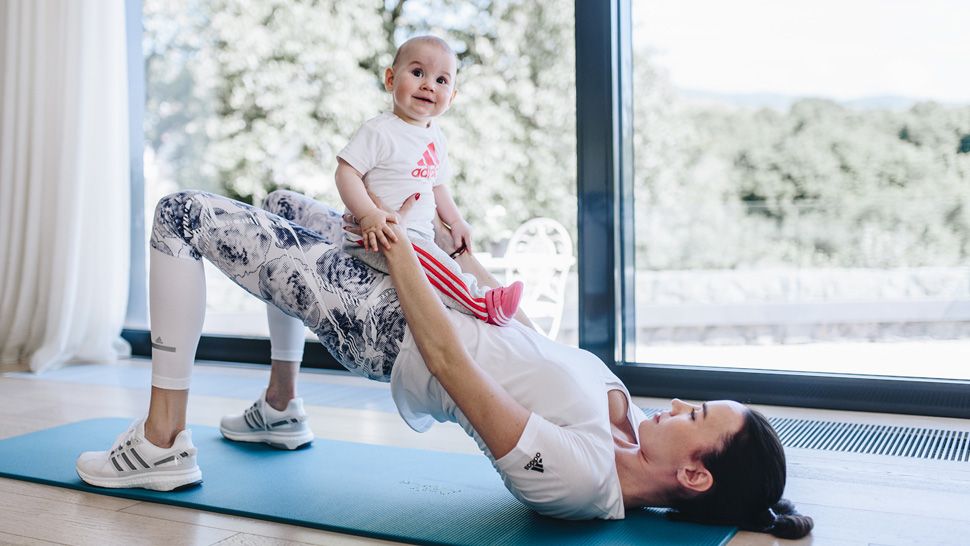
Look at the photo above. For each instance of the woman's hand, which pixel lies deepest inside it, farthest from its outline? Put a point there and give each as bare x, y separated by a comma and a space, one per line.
394, 220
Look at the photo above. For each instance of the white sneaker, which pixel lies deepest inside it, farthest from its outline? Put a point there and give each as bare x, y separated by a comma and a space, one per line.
285, 429
136, 462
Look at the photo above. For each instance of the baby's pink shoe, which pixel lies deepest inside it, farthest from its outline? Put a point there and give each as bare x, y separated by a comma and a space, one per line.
502, 303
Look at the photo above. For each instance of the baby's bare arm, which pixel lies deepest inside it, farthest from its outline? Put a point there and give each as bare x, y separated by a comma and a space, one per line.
350, 184
445, 203
373, 220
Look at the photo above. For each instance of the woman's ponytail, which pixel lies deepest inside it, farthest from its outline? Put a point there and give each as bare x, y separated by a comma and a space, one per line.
749, 473
783, 521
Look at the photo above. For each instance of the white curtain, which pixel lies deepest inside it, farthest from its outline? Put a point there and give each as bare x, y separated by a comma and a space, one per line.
64, 195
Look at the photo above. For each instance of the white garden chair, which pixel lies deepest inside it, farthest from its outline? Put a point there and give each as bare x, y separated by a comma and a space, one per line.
540, 254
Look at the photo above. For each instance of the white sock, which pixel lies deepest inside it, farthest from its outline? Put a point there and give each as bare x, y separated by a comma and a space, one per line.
286, 335
176, 295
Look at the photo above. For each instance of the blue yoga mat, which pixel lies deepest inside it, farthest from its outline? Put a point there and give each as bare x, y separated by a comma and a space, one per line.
408, 495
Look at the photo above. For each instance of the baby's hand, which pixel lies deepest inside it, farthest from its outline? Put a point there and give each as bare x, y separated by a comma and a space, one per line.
374, 229
461, 234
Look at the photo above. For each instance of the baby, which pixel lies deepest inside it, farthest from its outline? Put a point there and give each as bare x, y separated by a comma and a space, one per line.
403, 153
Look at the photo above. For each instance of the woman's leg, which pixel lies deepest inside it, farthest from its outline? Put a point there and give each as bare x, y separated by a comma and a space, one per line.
277, 417
297, 270
176, 288
353, 310
365, 324
286, 333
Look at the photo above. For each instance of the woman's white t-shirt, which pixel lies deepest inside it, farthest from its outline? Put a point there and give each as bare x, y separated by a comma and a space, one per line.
563, 465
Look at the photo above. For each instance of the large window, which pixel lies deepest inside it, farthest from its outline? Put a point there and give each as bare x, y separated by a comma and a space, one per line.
802, 186
244, 97
774, 200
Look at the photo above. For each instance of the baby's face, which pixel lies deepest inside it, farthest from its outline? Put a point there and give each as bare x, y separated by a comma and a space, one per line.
422, 82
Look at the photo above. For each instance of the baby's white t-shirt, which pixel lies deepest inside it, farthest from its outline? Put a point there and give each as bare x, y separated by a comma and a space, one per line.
399, 159
564, 464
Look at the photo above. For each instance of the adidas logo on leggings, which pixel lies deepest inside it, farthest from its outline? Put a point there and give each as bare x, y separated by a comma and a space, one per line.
535, 463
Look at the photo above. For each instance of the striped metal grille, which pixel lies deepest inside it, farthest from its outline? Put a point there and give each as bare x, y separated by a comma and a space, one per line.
919, 443
914, 442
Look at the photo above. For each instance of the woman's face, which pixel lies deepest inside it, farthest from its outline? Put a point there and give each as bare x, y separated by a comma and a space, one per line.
687, 430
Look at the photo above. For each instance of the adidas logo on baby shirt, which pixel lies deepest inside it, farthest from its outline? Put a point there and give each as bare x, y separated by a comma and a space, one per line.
535, 463
428, 164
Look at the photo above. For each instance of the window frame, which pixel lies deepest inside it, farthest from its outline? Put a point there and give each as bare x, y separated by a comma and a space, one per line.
605, 265
137, 310
604, 99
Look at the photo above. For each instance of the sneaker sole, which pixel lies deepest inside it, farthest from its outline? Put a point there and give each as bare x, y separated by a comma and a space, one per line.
279, 440
156, 481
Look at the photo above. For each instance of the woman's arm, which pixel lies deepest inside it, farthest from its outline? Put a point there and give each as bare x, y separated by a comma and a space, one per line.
497, 417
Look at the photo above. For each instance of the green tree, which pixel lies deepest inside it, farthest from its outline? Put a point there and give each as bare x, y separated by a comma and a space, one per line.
273, 89
177, 106
290, 90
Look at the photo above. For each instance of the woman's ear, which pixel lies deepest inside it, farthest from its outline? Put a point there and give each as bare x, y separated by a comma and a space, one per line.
695, 477
389, 79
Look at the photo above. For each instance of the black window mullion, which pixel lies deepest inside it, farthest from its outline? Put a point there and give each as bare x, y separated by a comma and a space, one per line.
598, 164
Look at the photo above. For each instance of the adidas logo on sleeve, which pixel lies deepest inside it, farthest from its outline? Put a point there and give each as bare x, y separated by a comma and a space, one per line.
535, 463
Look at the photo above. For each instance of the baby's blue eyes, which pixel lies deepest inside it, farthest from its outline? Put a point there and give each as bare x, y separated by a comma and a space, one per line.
417, 72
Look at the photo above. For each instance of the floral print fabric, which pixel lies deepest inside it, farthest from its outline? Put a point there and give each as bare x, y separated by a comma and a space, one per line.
289, 254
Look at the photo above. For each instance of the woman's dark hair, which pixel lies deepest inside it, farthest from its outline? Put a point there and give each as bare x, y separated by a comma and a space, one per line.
749, 474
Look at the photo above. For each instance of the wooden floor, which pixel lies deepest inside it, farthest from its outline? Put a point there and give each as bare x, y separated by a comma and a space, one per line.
855, 499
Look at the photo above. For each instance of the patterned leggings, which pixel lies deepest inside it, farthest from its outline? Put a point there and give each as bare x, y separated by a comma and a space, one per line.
289, 255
